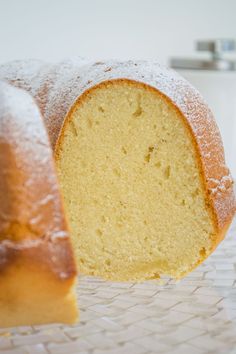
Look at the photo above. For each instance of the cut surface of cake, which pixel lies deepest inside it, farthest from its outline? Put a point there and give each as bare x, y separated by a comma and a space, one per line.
143, 176
140, 163
37, 267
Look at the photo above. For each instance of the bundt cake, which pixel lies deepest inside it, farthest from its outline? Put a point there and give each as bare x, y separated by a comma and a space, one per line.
140, 163
37, 267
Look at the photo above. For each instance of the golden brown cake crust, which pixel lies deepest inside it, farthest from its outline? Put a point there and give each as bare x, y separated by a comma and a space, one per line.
68, 80
54, 255
32, 222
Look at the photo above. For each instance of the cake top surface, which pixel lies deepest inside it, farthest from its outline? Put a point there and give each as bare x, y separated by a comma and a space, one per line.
56, 87
31, 213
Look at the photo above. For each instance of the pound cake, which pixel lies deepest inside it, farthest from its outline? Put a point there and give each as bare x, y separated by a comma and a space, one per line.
140, 163
37, 267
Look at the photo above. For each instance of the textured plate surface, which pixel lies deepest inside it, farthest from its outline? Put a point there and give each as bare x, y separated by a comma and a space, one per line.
194, 316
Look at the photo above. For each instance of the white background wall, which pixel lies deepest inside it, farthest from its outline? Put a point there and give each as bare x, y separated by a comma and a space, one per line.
54, 29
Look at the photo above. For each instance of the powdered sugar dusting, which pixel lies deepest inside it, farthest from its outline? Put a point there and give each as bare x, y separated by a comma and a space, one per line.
77, 78
57, 88
16, 125
29, 195
220, 185
25, 150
